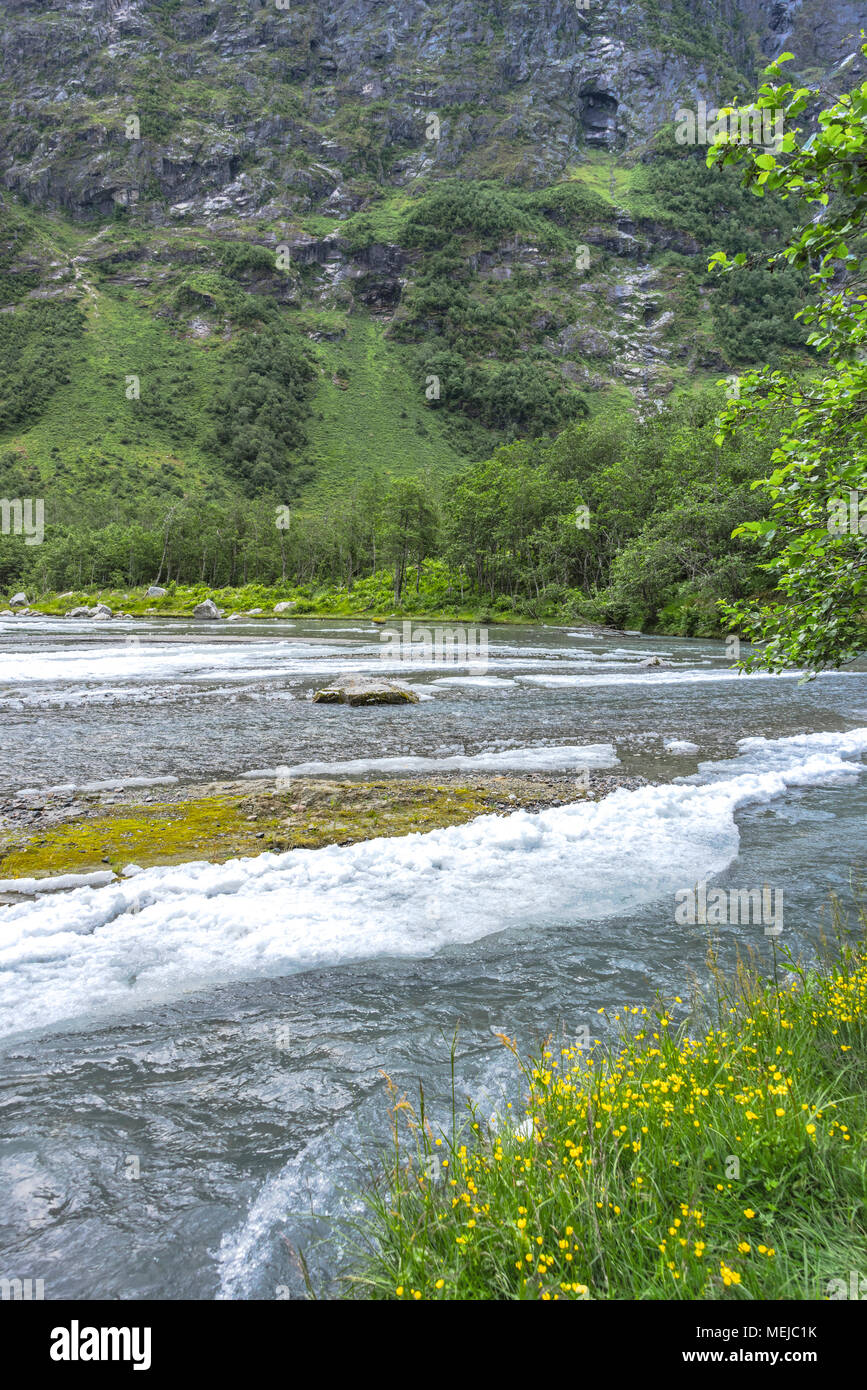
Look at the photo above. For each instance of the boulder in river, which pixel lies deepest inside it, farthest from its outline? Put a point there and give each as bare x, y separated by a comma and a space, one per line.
208, 609
362, 690
18, 601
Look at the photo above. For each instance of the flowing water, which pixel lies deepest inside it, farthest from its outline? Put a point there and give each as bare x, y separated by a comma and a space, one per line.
194, 1058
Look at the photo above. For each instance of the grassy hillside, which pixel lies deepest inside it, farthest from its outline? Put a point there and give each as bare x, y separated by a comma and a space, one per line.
293, 383
91, 439
370, 415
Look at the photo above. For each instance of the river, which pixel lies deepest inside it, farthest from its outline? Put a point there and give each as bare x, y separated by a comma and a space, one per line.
194, 1058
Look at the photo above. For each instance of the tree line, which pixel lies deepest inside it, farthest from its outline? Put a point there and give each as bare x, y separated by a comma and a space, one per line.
619, 516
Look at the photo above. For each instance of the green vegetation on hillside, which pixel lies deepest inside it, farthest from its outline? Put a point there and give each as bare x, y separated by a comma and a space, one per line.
754, 313
471, 334
37, 343
613, 520
370, 415
261, 408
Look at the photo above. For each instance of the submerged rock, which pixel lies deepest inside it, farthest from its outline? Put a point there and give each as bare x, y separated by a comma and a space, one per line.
361, 690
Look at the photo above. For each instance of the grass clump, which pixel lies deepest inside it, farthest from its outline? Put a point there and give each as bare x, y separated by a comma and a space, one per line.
723, 1162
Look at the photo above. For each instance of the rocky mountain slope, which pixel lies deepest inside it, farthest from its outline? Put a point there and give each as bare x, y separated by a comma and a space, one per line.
265, 247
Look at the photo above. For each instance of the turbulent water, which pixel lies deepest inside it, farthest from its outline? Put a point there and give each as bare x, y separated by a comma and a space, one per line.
193, 1058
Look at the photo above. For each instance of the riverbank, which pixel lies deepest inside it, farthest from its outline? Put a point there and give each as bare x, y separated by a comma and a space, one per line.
685, 1163
65, 831
370, 599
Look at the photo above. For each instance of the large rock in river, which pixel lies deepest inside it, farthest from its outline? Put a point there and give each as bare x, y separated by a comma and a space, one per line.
362, 690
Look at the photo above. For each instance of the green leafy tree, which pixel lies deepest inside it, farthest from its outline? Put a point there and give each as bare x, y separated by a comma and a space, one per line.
261, 411
816, 532
409, 527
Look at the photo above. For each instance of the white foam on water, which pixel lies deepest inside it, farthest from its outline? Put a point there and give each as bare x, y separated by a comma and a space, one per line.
641, 653
168, 931
484, 681
776, 754
115, 785
227, 658
32, 886
305, 1183
559, 758
653, 675
680, 745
